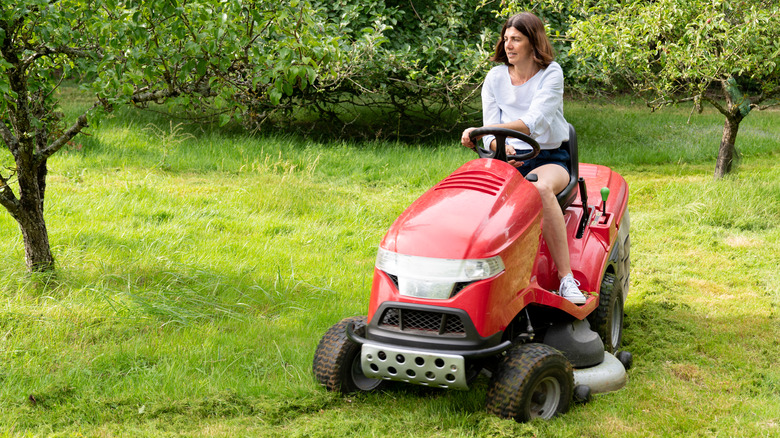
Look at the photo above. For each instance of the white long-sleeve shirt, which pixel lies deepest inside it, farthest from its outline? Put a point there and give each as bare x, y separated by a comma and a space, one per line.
538, 103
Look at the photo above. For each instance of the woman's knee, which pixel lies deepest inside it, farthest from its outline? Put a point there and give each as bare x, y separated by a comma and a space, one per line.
545, 189
551, 179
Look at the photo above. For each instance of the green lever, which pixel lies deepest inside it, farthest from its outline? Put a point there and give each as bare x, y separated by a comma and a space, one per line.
604, 196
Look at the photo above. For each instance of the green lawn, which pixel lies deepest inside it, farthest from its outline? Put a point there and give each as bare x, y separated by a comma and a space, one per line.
198, 268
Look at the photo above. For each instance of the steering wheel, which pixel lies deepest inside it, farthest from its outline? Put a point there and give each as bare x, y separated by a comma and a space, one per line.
500, 153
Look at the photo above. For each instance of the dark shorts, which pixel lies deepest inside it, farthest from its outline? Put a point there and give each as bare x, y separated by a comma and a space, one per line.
546, 156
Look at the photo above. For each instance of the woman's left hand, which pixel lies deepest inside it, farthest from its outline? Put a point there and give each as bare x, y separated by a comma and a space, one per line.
511, 151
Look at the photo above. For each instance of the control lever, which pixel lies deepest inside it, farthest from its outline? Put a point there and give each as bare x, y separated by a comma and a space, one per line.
585, 208
604, 196
583, 193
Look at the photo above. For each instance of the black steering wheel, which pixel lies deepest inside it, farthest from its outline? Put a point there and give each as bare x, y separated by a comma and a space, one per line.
500, 153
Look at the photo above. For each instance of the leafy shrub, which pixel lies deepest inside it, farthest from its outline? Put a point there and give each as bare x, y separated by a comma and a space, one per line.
395, 67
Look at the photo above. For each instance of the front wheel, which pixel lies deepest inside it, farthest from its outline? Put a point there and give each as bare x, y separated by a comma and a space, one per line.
532, 381
337, 360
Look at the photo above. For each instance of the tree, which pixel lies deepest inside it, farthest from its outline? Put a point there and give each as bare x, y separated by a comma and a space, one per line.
211, 52
721, 52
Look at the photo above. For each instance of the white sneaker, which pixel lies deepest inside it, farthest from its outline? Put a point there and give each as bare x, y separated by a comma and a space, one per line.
570, 289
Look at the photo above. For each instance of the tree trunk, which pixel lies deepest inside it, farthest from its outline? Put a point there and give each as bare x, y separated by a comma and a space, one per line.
32, 188
738, 106
727, 150
37, 251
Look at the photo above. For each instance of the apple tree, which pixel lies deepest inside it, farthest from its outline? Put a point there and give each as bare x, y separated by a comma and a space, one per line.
124, 52
719, 52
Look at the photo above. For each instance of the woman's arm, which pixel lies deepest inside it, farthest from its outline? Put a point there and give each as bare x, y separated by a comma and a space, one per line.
491, 113
546, 103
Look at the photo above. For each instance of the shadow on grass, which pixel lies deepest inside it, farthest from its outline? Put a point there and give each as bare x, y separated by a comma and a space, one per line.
730, 351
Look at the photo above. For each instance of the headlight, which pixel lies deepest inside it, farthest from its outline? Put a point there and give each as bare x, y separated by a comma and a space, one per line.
426, 277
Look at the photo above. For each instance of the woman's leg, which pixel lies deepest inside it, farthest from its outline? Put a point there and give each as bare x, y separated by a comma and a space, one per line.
552, 179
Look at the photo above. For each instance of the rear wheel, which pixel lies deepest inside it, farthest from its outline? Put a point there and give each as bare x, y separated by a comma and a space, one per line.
607, 319
337, 360
532, 381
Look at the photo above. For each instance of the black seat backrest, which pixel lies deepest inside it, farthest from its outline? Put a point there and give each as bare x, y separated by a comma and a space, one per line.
567, 195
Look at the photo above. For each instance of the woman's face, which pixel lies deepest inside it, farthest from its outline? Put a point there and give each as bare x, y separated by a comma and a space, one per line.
518, 48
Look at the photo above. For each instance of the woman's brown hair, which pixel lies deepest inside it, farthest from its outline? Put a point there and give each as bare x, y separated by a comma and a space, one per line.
532, 27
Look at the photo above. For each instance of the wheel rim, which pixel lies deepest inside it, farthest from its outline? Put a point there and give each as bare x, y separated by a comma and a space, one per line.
362, 382
545, 398
616, 324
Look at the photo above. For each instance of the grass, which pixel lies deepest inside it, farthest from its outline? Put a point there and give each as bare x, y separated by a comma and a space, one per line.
198, 269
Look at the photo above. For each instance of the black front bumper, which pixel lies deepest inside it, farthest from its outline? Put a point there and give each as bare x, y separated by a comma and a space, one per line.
428, 329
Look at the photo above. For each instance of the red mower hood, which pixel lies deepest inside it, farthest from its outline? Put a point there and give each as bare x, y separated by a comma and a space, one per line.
473, 213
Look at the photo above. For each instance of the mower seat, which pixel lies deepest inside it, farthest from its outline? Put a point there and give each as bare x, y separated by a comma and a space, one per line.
568, 194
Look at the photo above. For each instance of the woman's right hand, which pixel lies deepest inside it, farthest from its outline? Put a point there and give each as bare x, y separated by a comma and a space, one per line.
465, 138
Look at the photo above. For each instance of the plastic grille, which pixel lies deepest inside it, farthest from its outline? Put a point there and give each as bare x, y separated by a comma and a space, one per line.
425, 321
431, 323
391, 318
454, 325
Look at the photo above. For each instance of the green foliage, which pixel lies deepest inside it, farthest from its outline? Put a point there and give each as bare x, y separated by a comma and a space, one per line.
669, 48
405, 68
263, 61
195, 53
215, 56
580, 74
220, 55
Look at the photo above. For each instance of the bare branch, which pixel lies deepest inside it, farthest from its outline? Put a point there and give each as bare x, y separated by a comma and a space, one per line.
67, 136
764, 107
76, 52
717, 106
7, 197
154, 96
658, 103
9, 138
161, 95
771, 95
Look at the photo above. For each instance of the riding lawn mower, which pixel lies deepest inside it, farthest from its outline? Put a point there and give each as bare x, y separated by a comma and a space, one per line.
464, 283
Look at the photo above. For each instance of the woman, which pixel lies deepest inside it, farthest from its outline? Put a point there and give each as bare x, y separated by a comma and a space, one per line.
525, 94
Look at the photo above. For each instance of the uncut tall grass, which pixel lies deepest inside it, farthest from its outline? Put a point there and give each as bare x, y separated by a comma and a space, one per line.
198, 267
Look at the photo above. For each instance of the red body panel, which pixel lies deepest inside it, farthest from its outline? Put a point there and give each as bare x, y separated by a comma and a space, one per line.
486, 208
473, 213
